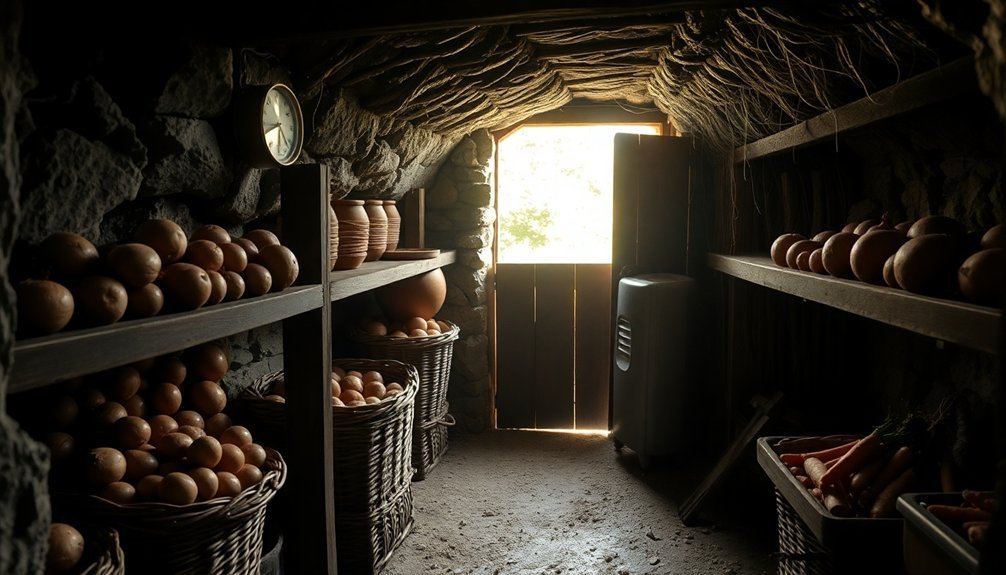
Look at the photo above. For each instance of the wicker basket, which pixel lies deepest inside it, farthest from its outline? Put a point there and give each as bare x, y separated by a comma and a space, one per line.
431, 356
102, 552
372, 463
222, 535
799, 553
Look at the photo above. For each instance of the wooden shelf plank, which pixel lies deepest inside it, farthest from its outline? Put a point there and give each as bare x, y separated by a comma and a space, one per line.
44, 360
943, 83
371, 275
961, 323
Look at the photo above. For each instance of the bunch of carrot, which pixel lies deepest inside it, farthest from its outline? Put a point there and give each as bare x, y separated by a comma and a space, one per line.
852, 476
971, 518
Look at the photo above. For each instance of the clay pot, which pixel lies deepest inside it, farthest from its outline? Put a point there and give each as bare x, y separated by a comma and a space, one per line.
354, 233
417, 296
378, 241
333, 237
394, 223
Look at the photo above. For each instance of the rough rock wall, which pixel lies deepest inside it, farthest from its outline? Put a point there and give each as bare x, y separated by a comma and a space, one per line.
24, 502
460, 215
119, 134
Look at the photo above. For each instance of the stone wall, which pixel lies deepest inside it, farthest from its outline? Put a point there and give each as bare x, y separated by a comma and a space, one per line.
460, 215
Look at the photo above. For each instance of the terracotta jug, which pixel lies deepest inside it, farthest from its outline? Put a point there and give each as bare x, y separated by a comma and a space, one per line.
354, 233
378, 241
394, 223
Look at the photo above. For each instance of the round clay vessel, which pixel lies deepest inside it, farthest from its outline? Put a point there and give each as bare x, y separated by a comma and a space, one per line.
418, 296
354, 233
378, 239
394, 223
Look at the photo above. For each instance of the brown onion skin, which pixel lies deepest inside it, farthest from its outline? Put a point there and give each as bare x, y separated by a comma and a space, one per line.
781, 245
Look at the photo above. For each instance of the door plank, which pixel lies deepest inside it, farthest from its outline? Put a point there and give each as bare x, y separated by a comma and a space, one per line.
553, 372
593, 356
514, 346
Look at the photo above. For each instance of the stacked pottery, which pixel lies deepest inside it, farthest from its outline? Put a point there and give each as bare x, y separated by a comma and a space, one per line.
354, 233
394, 224
378, 241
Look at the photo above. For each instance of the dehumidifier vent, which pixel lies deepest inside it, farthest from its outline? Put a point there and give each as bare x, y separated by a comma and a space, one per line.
623, 342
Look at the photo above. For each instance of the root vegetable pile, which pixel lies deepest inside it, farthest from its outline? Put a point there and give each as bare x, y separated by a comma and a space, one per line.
66, 282
862, 476
934, 255
152, 431
971, 517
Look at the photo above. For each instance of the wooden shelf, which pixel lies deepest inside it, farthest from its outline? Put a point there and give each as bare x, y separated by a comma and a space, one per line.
961, 323
44, 360
371, 275
943, 83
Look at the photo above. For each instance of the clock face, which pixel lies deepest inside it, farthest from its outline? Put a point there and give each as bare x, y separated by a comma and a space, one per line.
282, 124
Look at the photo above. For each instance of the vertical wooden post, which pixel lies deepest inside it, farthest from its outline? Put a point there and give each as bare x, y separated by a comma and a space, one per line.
413, 208
309, 521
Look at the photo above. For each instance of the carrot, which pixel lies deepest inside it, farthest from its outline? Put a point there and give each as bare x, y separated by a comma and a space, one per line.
858, 456
900, 460
833, 496
955, 515
986, 501
827, 454
976, 533
884, 505
862, 478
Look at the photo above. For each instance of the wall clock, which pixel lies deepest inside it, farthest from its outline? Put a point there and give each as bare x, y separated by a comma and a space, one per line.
269, 125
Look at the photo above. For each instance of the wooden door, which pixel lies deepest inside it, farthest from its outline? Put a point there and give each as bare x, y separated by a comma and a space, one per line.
554, 322
552, 326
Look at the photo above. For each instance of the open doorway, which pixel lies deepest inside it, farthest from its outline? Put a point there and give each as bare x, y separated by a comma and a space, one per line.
553, 275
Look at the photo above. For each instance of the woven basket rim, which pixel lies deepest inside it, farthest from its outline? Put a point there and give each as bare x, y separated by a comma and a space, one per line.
428, 340
255, 391
111, 560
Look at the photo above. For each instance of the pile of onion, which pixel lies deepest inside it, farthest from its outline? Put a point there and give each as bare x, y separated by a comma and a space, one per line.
933, 255
152, 431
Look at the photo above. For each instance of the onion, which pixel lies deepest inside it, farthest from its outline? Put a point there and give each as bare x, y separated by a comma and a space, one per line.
261, 238
67, 256
982, 277
134, 264
213, 233
186, 286
994, 237
235, 285
165, 236
936, 224
235, 257
281, 263
927, 264
251, 250
258, 280
835, 254
101, 299
207, 361
43, 306
781, 245
870, 252
205, 254
794, 251
218, 287
146, 301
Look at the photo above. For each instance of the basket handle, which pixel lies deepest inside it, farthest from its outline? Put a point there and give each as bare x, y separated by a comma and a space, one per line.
447, 421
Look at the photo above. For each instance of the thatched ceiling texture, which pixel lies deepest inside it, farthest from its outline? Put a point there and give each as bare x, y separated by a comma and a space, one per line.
727, 71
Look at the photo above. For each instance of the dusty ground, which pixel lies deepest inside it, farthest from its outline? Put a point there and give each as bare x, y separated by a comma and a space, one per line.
524, 502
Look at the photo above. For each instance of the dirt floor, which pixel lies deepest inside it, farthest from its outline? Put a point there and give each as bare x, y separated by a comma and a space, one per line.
528, 502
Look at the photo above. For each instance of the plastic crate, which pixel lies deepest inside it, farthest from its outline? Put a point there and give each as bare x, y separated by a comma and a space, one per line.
931, 547
813, 541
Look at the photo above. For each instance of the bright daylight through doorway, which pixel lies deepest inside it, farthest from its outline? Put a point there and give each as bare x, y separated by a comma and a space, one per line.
554, 202
554, 193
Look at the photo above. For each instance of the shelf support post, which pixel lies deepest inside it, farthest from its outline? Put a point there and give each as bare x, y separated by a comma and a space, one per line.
309, 521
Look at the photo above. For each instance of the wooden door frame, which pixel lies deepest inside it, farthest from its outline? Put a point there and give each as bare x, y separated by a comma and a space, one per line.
578, 115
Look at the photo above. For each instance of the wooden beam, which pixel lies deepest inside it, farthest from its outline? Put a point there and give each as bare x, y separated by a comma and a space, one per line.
943, 83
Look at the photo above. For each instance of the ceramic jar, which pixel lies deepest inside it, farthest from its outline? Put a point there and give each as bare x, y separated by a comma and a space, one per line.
418, 296
333, 237
394, 224
354, 233
378, 241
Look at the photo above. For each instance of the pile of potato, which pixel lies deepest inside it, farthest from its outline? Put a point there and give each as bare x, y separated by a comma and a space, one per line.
153, 431
935, 255
69, 282
349, 388
413, 327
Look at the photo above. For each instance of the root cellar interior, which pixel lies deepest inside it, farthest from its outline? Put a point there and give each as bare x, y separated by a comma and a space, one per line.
254, 318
